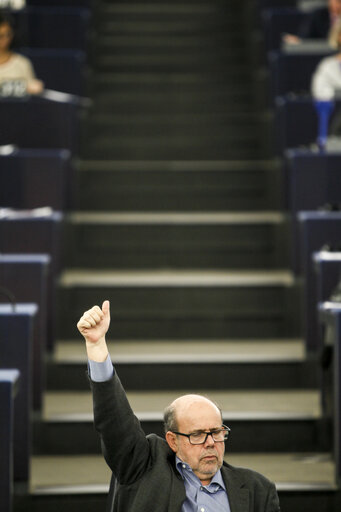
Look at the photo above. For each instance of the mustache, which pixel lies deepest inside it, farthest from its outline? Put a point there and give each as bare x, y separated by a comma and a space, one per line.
209, 454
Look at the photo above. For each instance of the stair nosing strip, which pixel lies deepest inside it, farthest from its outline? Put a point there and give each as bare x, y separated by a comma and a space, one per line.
89, 278
183, 218
191, 359
158, 417
104, 488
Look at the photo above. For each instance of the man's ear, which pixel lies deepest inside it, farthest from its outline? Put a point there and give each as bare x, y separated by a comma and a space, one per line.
172, 441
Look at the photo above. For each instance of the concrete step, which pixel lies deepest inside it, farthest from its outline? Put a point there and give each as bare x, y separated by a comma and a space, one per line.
177, 20
166, 8
178, 186
153, 81
59, 476
164, 43
172, 62
185, 240
174, 136
184, 304
288, 420
76, 483
167, 122
226, 364
189, 102
211, 145
167, 61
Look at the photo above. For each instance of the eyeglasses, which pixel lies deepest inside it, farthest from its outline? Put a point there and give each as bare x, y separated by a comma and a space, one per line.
219, 435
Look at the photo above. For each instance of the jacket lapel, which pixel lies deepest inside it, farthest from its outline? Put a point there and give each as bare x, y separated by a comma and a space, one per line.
178, 493
238, 496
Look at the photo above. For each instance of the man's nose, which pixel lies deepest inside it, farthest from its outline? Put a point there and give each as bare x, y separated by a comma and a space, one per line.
209, 440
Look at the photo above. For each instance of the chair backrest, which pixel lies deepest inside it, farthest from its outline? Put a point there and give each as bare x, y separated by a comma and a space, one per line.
23, 233
60, 69
39, 123
16, 350
8, 387
26, 276
35, 178
316, 229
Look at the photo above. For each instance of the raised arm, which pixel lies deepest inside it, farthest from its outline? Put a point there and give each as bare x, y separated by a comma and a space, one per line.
125, 447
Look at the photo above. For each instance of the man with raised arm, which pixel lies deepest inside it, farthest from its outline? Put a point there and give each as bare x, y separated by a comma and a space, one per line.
185, 472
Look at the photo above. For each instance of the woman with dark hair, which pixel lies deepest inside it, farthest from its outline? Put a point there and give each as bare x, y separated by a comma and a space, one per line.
16, 71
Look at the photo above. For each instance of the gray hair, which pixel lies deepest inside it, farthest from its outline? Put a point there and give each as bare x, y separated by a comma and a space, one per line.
169, 419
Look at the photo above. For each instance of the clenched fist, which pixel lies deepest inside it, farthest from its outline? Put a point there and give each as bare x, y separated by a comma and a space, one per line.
94, 325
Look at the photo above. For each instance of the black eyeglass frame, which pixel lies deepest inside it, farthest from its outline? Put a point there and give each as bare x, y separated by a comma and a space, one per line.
224, 428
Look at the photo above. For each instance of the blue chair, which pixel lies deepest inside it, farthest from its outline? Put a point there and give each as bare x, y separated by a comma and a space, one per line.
33, 178
327, 267
330, 317
25, 276
17, 324
278, 21
292, 72
33, 233
312, 179
35, 122
9, 382
316, 229
295, 123
61, 69
55, 27
327, 273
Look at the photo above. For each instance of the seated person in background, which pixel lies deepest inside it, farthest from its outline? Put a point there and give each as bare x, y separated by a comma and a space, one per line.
318, 23
327, 77
182, 473
16, 72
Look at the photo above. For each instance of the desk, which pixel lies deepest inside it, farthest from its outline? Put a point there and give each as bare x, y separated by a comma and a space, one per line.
316, 229
35, 122
330, 315
312, 179
25, 276
36, 232
291, 70
33, 178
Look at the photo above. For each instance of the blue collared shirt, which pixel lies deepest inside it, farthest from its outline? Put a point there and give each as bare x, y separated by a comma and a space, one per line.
203, 498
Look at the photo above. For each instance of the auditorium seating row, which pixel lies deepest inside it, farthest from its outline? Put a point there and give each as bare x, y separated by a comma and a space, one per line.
39, 142
311, 179
290, 69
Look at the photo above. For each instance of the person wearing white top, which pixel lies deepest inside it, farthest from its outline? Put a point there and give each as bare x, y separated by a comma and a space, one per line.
15, 70
326, 79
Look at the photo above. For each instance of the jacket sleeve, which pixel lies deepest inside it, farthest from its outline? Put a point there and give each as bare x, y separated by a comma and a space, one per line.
272, 504
125, 447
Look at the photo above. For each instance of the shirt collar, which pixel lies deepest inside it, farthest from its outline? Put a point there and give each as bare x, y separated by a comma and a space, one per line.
182, 467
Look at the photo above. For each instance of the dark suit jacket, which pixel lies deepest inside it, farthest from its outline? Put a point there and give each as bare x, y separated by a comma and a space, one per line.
316, 25
145, 476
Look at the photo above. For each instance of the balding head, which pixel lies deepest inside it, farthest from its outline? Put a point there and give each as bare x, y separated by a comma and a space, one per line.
183, 406
191, 414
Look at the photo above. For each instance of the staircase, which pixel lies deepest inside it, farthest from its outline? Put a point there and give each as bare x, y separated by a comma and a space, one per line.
178, 224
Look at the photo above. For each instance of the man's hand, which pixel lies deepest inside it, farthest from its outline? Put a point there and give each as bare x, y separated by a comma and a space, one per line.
94, 325
291, 39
